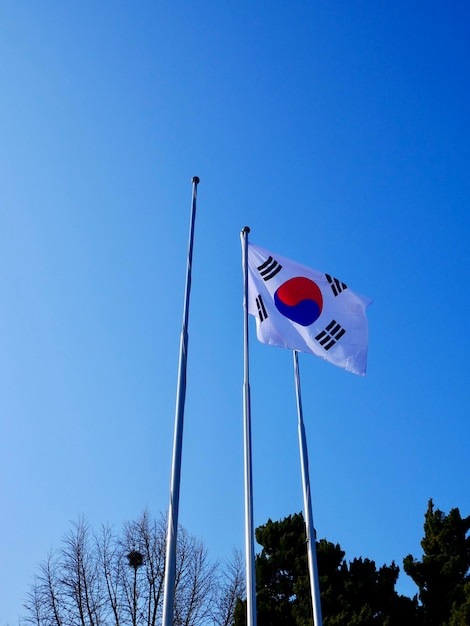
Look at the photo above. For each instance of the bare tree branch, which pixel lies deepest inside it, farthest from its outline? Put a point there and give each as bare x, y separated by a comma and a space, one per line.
117, 580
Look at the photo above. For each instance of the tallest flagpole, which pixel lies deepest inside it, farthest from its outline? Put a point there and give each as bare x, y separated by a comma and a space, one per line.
170, 562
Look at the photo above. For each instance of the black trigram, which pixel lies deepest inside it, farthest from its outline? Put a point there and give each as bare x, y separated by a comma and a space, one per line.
336, 286
263, 314
332, 333
269, 268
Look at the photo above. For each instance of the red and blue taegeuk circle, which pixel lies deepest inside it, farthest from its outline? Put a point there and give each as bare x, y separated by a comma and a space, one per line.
300, 300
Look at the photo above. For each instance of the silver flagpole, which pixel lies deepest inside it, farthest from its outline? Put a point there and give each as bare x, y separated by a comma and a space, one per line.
249, 529
170, 562
309, 527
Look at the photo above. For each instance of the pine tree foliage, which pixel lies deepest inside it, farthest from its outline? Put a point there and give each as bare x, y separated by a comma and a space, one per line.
443, 573
355, 593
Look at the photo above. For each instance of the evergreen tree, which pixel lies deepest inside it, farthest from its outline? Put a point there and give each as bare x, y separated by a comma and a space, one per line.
442, 575
354, 595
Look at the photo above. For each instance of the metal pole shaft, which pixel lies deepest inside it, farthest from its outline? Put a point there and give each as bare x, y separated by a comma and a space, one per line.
309, 527
172, 531
249, 527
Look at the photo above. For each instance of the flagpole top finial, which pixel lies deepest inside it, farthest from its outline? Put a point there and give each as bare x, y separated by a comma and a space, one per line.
196, 180
246, 229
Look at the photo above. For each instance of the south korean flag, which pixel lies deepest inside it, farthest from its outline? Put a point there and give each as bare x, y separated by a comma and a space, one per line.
302, 309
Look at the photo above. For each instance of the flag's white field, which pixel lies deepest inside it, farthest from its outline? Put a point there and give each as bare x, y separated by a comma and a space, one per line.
299, 308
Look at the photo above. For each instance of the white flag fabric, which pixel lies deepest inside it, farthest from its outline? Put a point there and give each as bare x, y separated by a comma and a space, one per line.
302, 309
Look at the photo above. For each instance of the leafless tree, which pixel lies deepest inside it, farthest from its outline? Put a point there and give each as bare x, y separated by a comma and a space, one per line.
196, 582
108, 553
231, 588
110, 579
81, 578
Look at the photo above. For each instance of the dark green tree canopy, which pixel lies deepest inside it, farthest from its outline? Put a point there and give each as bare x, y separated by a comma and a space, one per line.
442, 574
354, 593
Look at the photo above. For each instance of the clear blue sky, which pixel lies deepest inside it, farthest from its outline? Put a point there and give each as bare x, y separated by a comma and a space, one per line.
338, 131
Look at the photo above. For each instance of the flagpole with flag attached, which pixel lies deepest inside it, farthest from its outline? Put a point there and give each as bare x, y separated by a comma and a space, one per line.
172, 531
309, 526
249, 527
305, 310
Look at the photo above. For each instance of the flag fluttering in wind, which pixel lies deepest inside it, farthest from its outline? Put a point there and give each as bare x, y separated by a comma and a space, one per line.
302, 309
